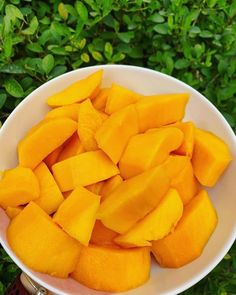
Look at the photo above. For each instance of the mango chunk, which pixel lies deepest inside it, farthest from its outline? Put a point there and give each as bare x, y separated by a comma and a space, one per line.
77, 91
159, 110
77, 214
174, 164
211, 157
96, 188
71, 148
83, 169
44, 139
190, 236
18, 187
157, 224
50, 196
13, 211
99, 102
114, 134
52, 158
89, 122
186, 183
111, 269
147, 150
119, 97
102, 236
70, 111
133, 199
109, 185
42, 245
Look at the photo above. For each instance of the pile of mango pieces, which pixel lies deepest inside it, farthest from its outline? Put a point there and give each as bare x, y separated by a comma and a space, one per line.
106, 178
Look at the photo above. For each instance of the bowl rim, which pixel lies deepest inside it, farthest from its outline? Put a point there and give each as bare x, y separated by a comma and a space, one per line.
206, 270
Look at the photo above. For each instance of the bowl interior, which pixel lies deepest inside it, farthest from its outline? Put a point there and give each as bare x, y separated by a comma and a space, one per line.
199, 110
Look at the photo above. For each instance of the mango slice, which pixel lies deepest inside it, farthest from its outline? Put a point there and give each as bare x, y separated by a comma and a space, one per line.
133, 199
70, 111
145, 151
50, 196
190, 236
71, 148
44, 139
109, 185
113, 135
157, 224
52, 158
99, 102
89, 122
13, 211
77, 214
42, 245
112, 269
174, 164
159, 110
211, 157
84, 169
96, 188
77, 91
119, 97
102, 236
17, 187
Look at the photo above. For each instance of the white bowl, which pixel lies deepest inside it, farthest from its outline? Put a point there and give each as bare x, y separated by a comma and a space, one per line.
199, 110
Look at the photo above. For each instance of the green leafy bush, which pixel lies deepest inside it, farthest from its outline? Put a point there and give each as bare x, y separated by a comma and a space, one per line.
194, 41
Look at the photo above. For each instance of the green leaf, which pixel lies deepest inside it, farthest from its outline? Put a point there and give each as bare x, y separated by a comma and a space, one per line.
181, 64
206, 34
35, 47
82, 11
12, 69
118, 57
97, 56
161, 28
57, 71
13, 11
60, 29
3, 98
14, 88
156, 18
126, 37
108, 50
106, 7
33, 26
63, 11
7, 46
85, 57
48, 63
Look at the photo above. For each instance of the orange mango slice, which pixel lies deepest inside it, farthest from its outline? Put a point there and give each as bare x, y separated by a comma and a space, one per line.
70, 111
99, 102
71, 148
13, 211
109, 185
102, 236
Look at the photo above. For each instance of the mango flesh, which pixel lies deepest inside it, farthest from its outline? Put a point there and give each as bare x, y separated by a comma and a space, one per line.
99, 102
52, 158
119, 97
111, 269
190, 236
102, 236
77, 91
157, 224
18, 187
50, 196
109, 185
147, 150
211, 156
159, 110
71, 148
42, 245
13, 211
39, 142
96, 188
174, 164
90, 120
115, 132
83, 169
77, 214
133, 199
69, 111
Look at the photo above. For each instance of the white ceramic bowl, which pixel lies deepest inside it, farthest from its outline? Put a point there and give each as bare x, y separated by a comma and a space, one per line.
199, 110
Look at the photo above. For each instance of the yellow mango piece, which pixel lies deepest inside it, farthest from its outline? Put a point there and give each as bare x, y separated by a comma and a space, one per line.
96, 188
157, 224
186, 183
89, 122
71, 148
70, 111
99, 102
50, 196
147, 150
77, 91
13, 211
119, 97
52, 158
66, 194
190, 236
114, 134
211, 156
83, 169
38, 144
159, 110
102, 236
77, 214
111, 269
18, 187
41, 244
109, 185
133, 199
174, 164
